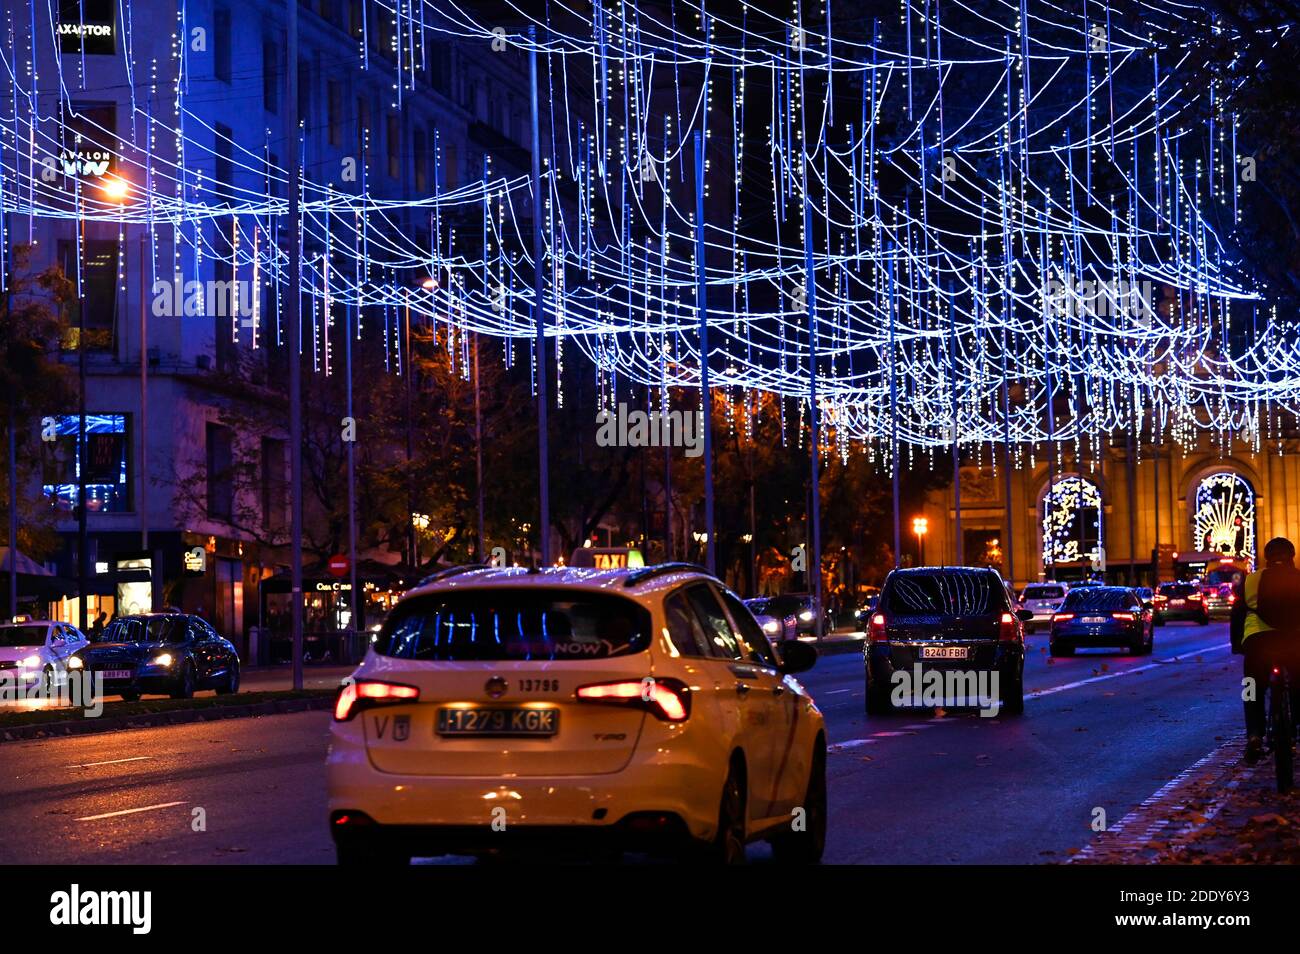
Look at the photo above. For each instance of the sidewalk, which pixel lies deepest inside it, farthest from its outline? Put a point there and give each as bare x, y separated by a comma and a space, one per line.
267, 678
1220, 811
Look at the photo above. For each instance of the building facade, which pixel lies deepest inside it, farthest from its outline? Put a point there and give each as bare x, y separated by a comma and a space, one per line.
143, 145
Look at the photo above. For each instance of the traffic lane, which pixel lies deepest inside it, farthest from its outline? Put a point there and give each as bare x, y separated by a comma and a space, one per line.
130, 797
1019, 790
836, 682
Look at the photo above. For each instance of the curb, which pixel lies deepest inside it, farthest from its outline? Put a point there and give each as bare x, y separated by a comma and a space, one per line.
72, 727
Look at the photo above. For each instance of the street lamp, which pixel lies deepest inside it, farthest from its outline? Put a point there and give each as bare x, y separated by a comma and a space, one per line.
920, 526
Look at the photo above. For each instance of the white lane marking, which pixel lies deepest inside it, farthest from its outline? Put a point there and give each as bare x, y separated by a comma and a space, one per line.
832, 692
1154, 813
129, 811
134, 758
1051, 690
850, 744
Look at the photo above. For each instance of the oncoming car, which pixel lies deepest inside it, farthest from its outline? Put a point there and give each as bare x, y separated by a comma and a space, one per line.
778, 618
594, 710
171, 654
38, 651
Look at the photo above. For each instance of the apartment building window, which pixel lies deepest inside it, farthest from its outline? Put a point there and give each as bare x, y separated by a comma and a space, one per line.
88, 26
221, 478
270, 76
221, 45
420, 146
304, 94
384, 37
108, 464
394, 146
356, 19
224, 169
98, 293
363, 125
334, 103
273, 484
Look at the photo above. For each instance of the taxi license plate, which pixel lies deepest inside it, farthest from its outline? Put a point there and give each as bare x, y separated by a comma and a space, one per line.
944, 652
499, 722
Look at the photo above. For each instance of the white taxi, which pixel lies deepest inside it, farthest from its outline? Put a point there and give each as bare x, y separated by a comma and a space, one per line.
38, 650
610, 710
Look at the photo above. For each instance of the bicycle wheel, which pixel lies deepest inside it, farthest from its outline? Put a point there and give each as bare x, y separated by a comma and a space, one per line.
1282, 732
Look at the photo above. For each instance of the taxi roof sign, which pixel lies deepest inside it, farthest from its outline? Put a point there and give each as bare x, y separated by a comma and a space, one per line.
607, 558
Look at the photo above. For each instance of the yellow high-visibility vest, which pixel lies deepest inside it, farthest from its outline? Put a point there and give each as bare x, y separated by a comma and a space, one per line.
1250, 593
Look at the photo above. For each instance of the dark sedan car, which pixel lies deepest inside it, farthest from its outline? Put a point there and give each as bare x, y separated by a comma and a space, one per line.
171, 654
956, 621
1103, 616
1180, 601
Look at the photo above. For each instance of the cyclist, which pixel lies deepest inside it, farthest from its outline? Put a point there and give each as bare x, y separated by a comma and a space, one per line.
1265, 628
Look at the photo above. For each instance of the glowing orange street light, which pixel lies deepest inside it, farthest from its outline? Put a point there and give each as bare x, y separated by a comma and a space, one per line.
920, 526
115, 189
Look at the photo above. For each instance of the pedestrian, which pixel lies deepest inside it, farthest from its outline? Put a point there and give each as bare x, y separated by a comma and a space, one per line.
97, 627
1265, 629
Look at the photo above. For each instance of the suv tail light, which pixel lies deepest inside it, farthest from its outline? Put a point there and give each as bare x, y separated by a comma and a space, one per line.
666, 699
876, 629
1007, 630
356, 696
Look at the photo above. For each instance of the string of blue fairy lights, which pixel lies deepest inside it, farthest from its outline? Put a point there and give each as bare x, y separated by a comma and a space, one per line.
1019, 220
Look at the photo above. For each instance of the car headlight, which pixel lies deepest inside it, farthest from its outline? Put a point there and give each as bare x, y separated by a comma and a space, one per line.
806, 615
163, 659
31, 662
771, 626
75, 663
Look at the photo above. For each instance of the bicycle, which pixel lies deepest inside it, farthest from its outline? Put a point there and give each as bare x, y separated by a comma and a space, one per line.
1281, 727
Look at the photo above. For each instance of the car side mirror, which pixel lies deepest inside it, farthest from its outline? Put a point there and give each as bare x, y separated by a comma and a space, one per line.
1024, 615
796, 656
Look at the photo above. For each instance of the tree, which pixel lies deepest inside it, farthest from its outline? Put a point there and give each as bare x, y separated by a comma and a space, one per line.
34, 384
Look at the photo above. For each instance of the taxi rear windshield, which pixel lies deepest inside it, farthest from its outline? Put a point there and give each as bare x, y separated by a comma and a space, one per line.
514, 624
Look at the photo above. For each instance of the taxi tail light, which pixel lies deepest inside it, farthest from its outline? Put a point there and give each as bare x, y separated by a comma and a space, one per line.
666, 699
356, 696
876, 629
1007, 628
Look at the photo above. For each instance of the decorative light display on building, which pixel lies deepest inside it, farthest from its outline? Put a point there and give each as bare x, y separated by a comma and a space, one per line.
1072, 527
1224, 517
923, 229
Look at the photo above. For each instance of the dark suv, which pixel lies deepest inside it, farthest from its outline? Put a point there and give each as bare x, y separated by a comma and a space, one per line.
959, 621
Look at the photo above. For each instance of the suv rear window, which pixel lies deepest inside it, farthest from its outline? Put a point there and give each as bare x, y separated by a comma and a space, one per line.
1043, 592
1099, 598
515, 624
944, 593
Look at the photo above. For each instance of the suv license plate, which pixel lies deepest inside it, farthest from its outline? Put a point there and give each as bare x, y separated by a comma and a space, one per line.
944, 652
500, 722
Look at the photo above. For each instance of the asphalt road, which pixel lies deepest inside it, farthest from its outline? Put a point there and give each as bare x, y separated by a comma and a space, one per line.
1101, 730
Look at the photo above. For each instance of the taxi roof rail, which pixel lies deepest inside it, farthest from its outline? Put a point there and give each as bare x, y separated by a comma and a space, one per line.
637, 577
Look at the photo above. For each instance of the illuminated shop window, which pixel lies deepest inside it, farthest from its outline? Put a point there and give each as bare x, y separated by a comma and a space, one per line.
1071, 521
108, 458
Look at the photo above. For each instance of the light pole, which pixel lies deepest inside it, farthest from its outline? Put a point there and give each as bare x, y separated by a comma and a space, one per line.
920, 526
